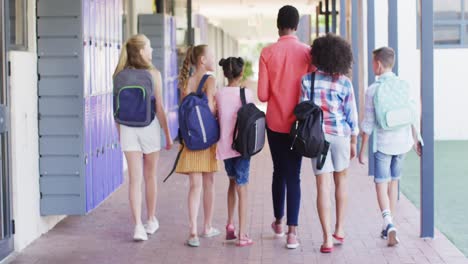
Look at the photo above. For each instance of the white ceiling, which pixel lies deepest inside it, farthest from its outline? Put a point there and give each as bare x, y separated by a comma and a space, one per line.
245, 8
249, 20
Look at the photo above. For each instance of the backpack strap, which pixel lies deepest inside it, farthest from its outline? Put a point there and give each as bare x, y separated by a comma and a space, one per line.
323, 156
202, 83
242, 96
244, 102
178, 156
312, 86
234, 135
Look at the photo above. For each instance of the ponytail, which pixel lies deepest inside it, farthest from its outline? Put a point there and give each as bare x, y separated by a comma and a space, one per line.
123, 59
130, 56
185, 70
192, 58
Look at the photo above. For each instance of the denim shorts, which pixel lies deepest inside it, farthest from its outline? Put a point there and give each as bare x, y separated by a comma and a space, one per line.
238, 169
387, 167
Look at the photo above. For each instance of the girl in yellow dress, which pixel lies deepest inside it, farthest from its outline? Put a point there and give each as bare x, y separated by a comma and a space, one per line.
199, 165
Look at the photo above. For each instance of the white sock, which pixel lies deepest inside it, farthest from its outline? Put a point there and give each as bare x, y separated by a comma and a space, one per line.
387, 217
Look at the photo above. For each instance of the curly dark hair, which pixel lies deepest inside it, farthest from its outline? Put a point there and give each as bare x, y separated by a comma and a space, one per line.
288, 18
332, 54
232, 67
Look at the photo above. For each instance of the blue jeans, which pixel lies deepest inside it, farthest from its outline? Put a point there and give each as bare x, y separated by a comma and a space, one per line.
238, 169
286, 177
387, 167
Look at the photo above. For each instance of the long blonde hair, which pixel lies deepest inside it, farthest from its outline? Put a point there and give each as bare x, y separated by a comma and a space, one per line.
130, 56
191, 59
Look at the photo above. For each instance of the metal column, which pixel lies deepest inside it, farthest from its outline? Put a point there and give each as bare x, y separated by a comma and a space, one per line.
191, 36
393, 30
370, 71
355, 45
343, 29
334, 15
427, 121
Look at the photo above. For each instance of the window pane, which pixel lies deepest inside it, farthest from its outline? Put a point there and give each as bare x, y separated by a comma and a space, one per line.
12, 6
447, 9
17, 23
447, 35
466, 9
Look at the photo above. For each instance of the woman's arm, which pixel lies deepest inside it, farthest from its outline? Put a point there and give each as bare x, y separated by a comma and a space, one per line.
263, 81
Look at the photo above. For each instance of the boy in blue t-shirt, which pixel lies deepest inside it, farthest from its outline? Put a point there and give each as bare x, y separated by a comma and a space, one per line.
390, 146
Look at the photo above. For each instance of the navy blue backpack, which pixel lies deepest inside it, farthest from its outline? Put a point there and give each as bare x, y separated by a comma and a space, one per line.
134, 101
198, 127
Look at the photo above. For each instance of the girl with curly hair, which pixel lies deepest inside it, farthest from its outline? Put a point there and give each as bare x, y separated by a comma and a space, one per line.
333, 92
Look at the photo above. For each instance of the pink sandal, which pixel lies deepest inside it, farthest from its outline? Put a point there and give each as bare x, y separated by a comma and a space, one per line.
230, 233
244, 241
338, 239
324, 249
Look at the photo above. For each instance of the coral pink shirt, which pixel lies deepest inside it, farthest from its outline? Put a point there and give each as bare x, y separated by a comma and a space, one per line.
282, 66
228, 103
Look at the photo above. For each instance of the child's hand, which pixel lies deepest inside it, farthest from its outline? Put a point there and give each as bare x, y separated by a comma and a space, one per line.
418, 148
362, 157
353, 150
169, 143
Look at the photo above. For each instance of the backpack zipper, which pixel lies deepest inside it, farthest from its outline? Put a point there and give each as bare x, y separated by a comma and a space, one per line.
295, 136
200, 120
256, 135
128, 87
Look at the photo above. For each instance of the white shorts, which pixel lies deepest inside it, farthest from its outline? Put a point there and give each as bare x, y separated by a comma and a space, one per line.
338, 157
145, 139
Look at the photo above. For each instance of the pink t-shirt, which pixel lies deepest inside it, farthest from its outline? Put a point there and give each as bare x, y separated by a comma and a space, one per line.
228, 103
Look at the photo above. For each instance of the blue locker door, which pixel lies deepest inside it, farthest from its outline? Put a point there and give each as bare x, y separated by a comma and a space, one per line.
97, 151
109, 144
108, 150
87, 150
115, 143
102, 159
94, 154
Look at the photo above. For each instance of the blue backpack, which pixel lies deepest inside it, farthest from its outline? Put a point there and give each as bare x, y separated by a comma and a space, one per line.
198, 127
134, 101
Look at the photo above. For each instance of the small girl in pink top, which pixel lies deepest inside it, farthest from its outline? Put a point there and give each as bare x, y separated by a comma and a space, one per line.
228, 102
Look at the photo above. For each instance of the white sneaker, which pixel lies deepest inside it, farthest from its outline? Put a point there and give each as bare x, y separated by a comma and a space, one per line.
152, 226
140, 233
392, 235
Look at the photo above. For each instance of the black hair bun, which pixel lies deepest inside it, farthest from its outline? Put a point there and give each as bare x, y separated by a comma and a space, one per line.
221, 62
240, 61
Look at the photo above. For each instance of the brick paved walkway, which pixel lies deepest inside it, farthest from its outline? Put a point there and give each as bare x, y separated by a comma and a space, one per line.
104, 235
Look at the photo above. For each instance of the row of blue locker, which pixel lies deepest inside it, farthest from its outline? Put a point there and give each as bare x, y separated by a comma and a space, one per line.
100, 61
103, 156
104, 174
168, 66
171, 32
102, 20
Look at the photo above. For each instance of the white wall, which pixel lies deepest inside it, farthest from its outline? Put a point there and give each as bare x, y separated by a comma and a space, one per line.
25, 142
450, 65
25, 151
451, 94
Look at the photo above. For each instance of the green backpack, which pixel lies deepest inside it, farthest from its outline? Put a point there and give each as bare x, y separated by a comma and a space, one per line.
393, 105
